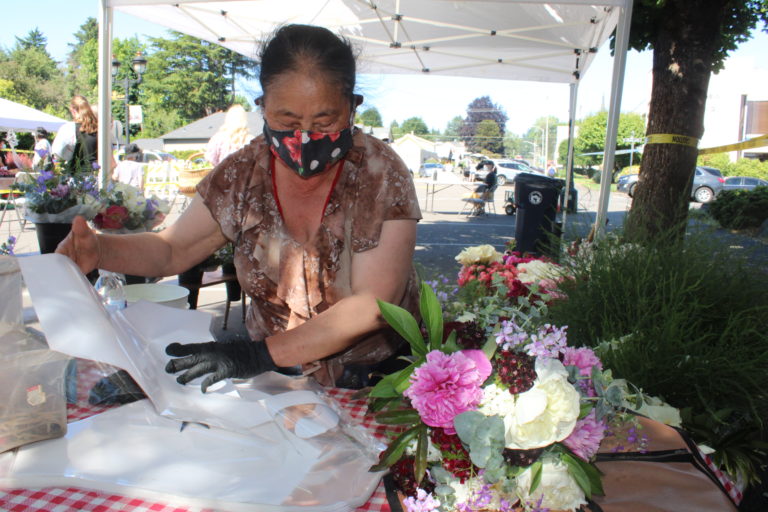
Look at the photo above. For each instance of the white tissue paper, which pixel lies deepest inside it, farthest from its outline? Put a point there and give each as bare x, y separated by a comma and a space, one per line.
270, 443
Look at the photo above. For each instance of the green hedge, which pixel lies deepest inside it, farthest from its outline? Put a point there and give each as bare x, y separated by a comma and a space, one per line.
742, 167
741, 209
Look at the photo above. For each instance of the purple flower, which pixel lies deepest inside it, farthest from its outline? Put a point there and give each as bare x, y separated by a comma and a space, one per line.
61, 190
586, 436
423, 502
511, 335
45, 176
95, 166
549, 341
448, 385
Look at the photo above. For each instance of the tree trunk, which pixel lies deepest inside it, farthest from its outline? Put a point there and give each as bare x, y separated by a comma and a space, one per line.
683, 54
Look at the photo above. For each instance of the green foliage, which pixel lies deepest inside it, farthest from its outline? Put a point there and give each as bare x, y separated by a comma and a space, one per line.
415, 125
191, 77
738, 19
36, 80
683, 320
371, 117
741, 209
592, 131
82, 61
741, 167
478, 110
453, 127
488, 137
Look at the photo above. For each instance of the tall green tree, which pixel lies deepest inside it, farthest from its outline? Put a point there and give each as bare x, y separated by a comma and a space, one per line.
690, 40
83, 60
192, 77
35, 80
371, 117
415, 125
453, 128
488, 137
479, 110
591, 138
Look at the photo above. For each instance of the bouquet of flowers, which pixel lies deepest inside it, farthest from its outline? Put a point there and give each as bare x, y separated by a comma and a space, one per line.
124, 209
58, 196
497, 413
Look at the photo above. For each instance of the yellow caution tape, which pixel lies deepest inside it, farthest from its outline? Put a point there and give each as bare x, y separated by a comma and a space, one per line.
671, 138
747, 144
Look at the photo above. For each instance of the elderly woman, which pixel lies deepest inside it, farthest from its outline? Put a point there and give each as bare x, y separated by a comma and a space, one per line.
323, 218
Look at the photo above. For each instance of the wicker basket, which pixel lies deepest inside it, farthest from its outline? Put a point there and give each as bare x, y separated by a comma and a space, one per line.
189, 178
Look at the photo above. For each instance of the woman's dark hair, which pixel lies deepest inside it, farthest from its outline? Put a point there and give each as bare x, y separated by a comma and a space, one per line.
295, 46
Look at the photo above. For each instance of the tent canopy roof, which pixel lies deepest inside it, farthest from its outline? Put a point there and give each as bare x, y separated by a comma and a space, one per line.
533, 40
15, 116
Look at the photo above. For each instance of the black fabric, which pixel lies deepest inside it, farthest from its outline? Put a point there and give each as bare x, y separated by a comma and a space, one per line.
85, 153
241, 359
118, 388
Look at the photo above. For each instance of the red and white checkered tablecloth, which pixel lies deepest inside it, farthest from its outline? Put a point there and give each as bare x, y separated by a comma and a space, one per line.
71, 499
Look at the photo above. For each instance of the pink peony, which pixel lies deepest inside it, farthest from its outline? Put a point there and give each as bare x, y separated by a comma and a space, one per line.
583, 358
586, 436
448, 385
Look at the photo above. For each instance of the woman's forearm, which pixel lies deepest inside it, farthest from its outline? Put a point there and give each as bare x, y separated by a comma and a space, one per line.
332, 331
143, 254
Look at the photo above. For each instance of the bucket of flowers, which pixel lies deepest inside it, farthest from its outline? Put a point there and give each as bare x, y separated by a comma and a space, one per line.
495, 412
124, 209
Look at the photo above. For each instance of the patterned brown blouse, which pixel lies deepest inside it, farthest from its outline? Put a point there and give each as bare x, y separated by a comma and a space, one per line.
288, 282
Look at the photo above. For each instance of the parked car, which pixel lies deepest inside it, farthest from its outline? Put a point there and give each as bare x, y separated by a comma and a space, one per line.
743, 183
707, 184
506, 170
427, 169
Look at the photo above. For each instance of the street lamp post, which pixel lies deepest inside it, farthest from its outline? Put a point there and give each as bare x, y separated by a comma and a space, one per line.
138, 66
632, 140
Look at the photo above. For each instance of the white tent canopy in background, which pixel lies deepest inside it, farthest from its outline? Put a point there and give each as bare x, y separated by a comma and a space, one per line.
533, 40
15, 116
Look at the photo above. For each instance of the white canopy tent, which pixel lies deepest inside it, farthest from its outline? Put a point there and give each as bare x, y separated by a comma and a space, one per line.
534, 40
15, 116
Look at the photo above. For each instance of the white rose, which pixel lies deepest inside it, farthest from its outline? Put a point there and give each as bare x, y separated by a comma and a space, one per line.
536, 270
544, 414
478, 254
560, 490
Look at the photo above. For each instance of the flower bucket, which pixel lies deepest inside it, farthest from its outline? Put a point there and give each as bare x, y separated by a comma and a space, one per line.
49, 234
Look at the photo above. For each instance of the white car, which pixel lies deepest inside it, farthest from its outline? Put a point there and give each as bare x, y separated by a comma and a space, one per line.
506, 170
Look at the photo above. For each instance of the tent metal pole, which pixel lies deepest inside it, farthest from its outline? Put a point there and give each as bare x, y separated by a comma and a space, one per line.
574, 89
105, 92
614, 110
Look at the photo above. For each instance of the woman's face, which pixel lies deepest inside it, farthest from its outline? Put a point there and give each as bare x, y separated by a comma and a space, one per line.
304, 101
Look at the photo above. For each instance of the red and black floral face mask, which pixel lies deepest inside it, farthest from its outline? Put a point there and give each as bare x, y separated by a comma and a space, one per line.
307, 152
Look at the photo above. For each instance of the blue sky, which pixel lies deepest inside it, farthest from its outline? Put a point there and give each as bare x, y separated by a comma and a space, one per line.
397, 97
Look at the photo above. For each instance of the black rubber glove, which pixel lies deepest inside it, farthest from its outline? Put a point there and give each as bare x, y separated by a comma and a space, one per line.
240, 359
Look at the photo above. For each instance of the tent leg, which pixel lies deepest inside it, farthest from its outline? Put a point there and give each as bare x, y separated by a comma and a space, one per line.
619, 65
105, 92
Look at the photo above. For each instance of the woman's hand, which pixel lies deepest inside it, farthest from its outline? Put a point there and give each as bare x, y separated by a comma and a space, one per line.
241, 359
81, 245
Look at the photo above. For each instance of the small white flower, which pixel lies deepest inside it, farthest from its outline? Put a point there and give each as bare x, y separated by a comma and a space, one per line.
484, 254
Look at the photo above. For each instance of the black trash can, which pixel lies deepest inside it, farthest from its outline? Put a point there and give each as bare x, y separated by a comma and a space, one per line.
536, 198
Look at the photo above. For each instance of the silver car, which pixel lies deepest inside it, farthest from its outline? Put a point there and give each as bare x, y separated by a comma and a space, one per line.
707, 184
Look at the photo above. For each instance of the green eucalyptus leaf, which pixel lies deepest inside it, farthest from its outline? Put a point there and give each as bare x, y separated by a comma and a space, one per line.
536, 471
432, 315
395, 449
398, 417
479, 454
614, 395
420, 462
466, 423
405, 325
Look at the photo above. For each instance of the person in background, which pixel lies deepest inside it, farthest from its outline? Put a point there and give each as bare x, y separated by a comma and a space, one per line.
78, 139
486, 190
551, 169
131, 169
231, 136
43, 157
318, 213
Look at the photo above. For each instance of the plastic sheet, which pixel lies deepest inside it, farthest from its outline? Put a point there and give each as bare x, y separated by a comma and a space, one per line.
133, 451
32, 403
269, 443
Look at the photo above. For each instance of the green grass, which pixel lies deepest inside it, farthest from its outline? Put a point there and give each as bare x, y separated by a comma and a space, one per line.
686, 321
588, 183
